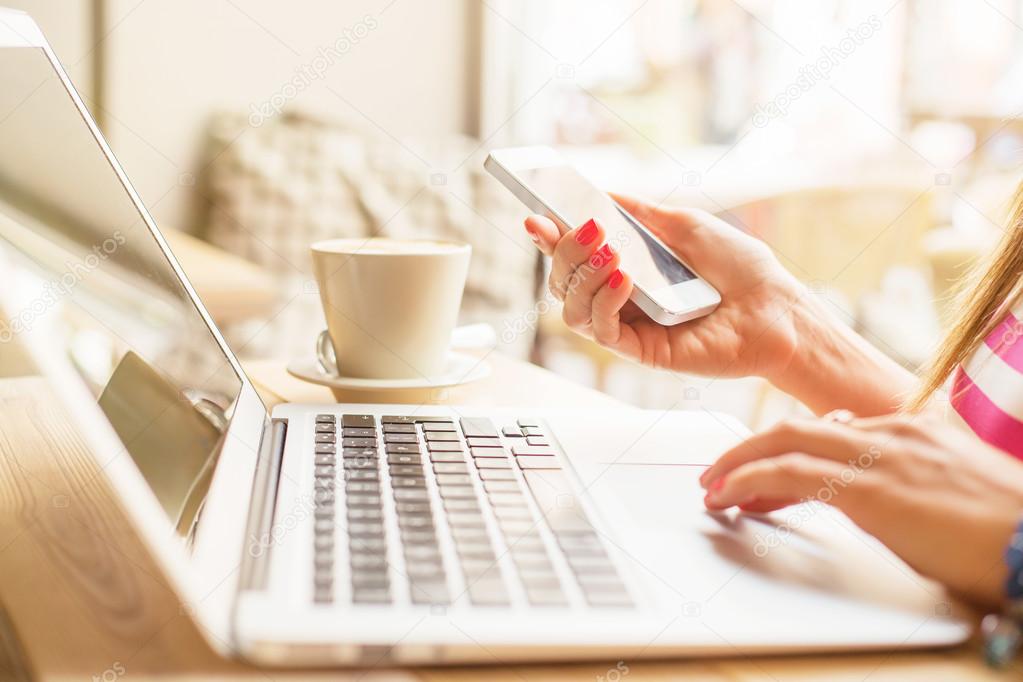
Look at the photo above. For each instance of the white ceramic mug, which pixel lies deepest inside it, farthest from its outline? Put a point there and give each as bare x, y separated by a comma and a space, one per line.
390, 304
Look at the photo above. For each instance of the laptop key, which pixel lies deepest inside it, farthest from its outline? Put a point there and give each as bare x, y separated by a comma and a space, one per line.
404, 459
465, 519
402, 449
408, 482
488, 593
364, 578
439, 425
497, 475
325, 449
490, 463
478, 442
354, 453
404, 438
357, 420
368, 561
357, 432
362, 475
480, 427
450, 468
376, 595
441, 436
365, 514
396, 419
399, 428
538, 442
325, 428
501, 487
488, 452
415, 522
363, 500
462, 504
325, 419
326, 438
360, 529
362, 487
453, 479
443, 446
412, 507
457, 491
543, 596
411, 495
447, 457
406, 470
528, 451
324, 460
377, 545
359, 463
512, 432
358, 442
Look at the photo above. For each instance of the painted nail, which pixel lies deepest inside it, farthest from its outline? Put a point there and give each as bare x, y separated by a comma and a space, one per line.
718, 484
615, 280
533, 235
601, 256
587, 233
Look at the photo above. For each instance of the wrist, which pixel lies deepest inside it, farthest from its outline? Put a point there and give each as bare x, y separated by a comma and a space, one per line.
830, 366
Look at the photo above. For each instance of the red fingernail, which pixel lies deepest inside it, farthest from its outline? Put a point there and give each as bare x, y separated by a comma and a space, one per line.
718, 484
615, 280
587, 233
533, 235
602, 256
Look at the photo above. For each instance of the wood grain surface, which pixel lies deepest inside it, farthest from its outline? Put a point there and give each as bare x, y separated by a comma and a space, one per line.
85, 601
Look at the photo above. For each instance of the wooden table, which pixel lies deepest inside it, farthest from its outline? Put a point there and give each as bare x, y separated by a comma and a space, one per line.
84, 601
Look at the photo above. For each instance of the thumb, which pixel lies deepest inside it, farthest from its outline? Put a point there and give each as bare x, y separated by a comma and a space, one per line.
673, 226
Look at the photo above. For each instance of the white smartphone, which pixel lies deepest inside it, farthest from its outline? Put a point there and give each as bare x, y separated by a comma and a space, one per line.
665, 288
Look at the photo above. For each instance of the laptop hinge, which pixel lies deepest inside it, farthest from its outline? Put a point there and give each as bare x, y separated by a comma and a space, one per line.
256, 557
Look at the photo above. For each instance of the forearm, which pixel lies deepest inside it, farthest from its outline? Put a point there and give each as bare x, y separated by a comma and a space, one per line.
833, 367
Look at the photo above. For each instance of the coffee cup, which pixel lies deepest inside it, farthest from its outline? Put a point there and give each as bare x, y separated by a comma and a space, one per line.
390, 305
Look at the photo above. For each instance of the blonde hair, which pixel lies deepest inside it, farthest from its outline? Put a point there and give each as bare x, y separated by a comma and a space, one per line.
992, 285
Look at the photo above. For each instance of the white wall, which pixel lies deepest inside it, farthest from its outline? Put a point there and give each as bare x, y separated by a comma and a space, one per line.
169, 63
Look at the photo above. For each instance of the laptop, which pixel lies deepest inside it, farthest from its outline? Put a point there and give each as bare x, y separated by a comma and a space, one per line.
356, 534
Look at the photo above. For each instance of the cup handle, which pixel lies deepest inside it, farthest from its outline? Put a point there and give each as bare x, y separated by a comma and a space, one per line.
325, 353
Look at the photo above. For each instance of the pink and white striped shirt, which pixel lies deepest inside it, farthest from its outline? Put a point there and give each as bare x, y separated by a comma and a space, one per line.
987, 391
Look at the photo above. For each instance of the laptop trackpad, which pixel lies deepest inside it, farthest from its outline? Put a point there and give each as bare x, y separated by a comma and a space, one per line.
807, 552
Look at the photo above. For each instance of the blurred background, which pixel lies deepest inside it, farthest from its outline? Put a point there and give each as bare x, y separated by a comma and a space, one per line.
874, 145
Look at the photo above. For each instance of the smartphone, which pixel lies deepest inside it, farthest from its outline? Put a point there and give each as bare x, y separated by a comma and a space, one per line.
666, 289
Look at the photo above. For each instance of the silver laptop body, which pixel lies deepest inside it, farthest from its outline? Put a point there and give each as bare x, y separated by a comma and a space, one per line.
392, 534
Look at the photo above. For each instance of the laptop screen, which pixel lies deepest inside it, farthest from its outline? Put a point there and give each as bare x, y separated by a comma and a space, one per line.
122, 315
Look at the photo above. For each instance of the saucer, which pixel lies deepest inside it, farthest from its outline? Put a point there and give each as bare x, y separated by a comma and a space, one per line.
458, 368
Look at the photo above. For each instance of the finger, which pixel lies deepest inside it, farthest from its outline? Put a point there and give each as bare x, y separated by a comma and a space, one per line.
543, 232
654, 216
838, 442
789, 476
573, 249
584, 283
606, 309
766, 505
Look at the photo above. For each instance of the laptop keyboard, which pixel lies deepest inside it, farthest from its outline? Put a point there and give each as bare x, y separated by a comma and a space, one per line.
422, 486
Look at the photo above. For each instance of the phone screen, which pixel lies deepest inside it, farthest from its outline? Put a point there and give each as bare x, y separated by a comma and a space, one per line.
575, 200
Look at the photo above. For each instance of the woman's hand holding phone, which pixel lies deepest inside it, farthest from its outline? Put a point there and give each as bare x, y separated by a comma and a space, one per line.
766, 325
